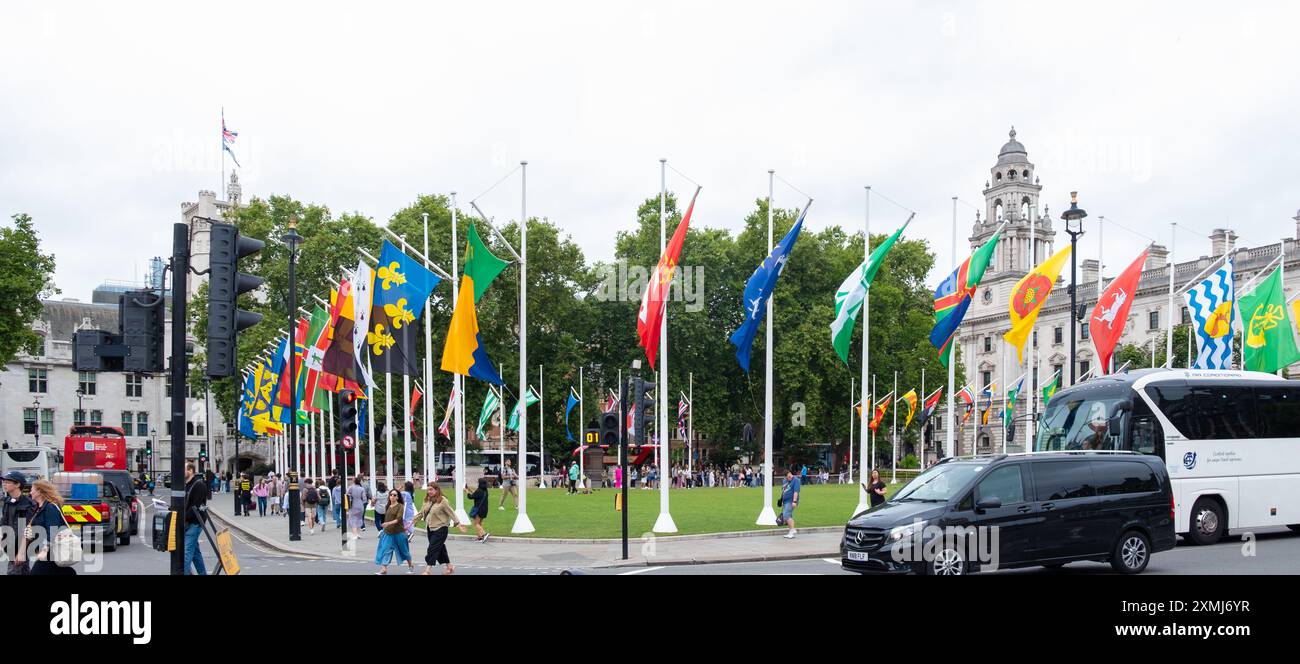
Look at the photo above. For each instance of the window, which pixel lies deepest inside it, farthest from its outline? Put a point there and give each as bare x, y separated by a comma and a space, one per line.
1011, 175
1084, 333
1057, 334
134, 385
988, 344
1063, 480
47, 421
1058, 368
1026, 174
96, 418
87, 382
1084, 366
1035, 338
1225, 412
189, 428
1006, 484
1116, 478
128, 418
169, 428
1147, 436
1153, 320
29, 421
1187, 316
1279, 411
141, 425
987, 377
38, 381
79, 417
198, 429
997, 177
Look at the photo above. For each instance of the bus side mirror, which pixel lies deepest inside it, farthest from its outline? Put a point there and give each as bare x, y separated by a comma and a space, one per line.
1116, 428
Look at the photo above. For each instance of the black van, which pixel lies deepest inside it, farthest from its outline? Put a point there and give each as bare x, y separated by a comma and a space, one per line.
1020, 510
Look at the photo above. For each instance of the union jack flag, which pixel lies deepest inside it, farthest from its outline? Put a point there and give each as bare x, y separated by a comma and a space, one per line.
228, 138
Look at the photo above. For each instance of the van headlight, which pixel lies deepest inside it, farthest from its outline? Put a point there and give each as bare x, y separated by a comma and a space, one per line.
906, 532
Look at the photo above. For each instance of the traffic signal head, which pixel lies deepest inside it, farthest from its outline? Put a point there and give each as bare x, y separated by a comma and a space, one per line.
348, 414
609, 430
645, 409
203, 453
225, 283
148, 449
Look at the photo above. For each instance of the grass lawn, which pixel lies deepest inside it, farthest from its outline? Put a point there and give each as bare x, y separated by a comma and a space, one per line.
555, 513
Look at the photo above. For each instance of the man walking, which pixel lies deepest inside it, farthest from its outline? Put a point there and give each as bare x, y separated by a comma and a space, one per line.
789, 500
17, 512
196, 514
573, 478
508, 477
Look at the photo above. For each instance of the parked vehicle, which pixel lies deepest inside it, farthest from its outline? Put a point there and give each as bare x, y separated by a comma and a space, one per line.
96, 507
125, 485
1019, 510
34, 462
94, 448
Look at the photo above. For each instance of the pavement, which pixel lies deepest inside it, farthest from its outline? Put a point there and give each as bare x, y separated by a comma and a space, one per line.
272, 532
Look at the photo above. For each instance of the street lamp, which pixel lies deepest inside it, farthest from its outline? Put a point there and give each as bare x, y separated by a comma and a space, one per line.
36, 406
80, 393
153, 446
292, 239
1074, 226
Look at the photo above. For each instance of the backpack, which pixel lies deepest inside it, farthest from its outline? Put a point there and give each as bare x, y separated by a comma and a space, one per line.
324, 496
311, 497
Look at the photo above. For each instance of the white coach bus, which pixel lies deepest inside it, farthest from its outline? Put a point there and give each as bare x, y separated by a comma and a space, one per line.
1230, 439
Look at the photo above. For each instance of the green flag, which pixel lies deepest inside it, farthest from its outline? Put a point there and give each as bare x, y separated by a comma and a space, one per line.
318, 397
1269, 344
853, 292
480, 265
1051, 387
1012, 396
485, 415
530, 399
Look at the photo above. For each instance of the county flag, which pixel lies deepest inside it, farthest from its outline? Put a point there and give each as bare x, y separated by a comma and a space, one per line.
655, 300
1012, 395
340, 358
967, 396
402, 286
930, 405
910, 399
1111, 313
568, 408
758, 290
853, 292
463, 352
529, 399
247, 399
1269, 344
881, 407
490, 403
1027, 299
952, 298
1211, 305
314, 354
1049, 390
612, 402
362, 302
682, 409
987, 394
416, 395
445, 427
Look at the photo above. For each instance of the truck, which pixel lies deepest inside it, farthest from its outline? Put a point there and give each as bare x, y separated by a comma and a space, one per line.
95, 506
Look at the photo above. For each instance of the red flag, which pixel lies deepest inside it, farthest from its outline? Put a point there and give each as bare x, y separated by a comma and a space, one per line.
300, 337
656, 291
1111, 313
415, 400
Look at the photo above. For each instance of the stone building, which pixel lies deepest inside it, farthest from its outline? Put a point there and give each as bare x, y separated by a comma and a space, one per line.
1012, 195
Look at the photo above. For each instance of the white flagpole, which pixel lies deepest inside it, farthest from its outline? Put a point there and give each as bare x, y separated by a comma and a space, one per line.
690, 426
864, 467
664, 524
582, 434
501, 428
456, 379
893, 445
1005, 386
334, 435
522, 523
853, 422
950, 449
406, 427
541, 427
430, 463
388, 430
370, 433
1032, 405
767, 516
920, 435
1037, 396
1173, 264
874, 395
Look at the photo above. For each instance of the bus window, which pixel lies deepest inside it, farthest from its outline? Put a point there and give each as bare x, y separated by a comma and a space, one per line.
1279, 411
1077, 424
1176, 404
1146, 435
1226, 412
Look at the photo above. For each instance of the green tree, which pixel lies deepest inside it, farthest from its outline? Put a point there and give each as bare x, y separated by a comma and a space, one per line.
26, 276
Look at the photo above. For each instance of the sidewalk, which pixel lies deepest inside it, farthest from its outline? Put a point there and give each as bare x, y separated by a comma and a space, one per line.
273, 532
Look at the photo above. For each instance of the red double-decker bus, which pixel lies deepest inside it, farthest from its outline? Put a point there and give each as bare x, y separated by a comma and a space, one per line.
94, 448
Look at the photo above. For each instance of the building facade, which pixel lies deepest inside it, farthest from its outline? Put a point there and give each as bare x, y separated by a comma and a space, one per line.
1030, 237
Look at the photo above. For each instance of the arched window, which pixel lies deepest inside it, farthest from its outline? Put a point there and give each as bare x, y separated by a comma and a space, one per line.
998, 177
1011, 175
1026, 173
997, 209
1024, 208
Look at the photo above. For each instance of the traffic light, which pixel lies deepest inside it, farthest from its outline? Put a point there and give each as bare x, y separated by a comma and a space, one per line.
609, 430
148, 449
348, 416
225, 283
141, 313
645, 409
203, 453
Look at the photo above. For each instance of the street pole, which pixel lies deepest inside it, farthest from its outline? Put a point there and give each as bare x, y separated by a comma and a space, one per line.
1074, 226
292, 238
948, 425
522, 523
459, 480
767, 516
582, 444
622, 452
179, 367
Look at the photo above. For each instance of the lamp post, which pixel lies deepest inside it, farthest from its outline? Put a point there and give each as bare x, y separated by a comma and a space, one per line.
80, 393
1074, 226
153, 445
292, 239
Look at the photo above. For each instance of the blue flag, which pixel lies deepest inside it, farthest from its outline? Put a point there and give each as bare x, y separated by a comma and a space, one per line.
280, 413
402, 285
573, 401
759, 288
246, 403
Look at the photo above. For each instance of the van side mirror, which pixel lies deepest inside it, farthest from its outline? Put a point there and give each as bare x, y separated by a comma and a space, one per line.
990, 503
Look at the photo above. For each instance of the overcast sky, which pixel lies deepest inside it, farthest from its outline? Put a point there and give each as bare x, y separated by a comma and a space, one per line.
1155, 112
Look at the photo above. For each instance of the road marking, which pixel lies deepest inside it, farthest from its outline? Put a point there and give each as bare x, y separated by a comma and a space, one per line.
640, 571
833, 561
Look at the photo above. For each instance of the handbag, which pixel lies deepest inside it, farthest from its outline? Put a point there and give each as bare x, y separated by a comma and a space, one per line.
67, 545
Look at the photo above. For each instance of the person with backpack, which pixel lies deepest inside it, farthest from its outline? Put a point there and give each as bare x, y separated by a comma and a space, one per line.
310, 498
322, 504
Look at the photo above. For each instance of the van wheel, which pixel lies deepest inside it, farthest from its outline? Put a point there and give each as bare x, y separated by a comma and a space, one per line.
948, 562
1132, 553
124, 539
1207, 522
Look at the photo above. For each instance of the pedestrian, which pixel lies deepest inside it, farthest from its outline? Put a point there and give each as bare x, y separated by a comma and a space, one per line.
47, 519
273, 493
196, 514
310, 497
322, 504
377, 503
336, 500
408, 515
18, 511
437, 514
480, 509
393, 540
262, 490
789, 500
573, 478
370, 494
508, 479
875, 488
356, 507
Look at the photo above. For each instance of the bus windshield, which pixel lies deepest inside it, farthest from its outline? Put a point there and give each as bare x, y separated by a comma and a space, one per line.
1078, 424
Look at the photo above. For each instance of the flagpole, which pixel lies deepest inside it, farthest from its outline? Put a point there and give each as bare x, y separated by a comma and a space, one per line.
388, 430
664, 524
874, 395
949, 435
222, 184
863, 459
1173, 264
1034, 422
767, 516
406, 425
334, 436
456, 380
690, 427
852, 423
522, 523
541, 426
430, 464
501, 428
920, 457
1033, 389
370, 432
1005, 385
893, 445
582, 428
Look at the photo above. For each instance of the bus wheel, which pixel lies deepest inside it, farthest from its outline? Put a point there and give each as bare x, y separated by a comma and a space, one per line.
1207, 522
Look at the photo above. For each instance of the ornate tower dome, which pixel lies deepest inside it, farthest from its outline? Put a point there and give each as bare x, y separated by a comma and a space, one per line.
1011, 196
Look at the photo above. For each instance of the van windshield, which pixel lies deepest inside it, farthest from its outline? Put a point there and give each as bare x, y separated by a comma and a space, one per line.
1078, 424
939, 483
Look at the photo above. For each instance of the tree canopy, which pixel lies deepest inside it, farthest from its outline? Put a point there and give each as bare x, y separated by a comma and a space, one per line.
26, 276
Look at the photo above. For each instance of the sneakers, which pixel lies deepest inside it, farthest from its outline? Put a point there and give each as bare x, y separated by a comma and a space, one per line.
485, 537
790, 535
501, 507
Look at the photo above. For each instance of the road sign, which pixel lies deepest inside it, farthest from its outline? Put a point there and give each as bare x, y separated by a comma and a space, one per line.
226, 550
349, 442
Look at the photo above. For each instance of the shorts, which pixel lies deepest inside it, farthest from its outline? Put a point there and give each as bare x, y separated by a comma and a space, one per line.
787, 511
